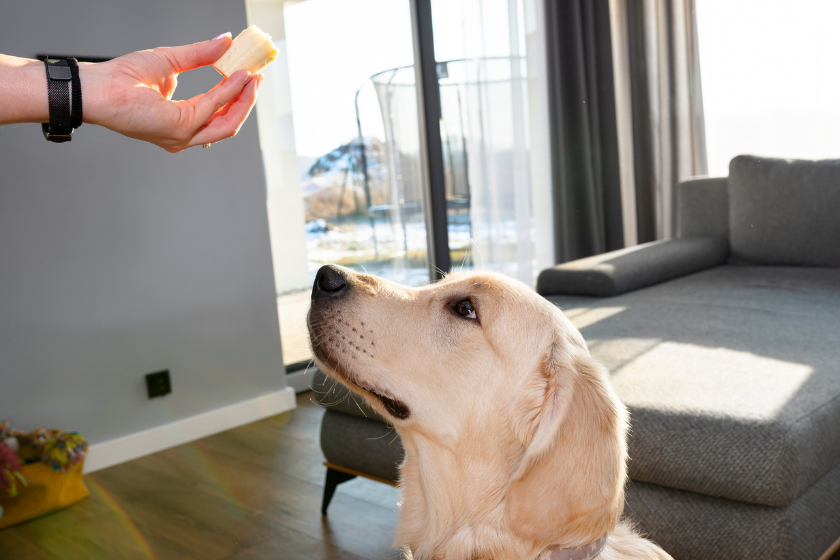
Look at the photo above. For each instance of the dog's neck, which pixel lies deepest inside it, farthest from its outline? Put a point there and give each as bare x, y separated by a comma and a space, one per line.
436, 494
434, 531
587, 552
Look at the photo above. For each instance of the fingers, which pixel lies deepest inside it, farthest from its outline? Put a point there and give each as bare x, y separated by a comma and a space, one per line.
196, 55
219, 96
229, 119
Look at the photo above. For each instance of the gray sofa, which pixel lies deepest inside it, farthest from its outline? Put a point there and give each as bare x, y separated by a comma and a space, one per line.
725, 345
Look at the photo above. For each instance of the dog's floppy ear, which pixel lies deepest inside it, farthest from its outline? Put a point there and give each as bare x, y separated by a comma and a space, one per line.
569, 487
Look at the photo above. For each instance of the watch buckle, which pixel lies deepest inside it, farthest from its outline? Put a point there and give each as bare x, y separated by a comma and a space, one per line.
58, 138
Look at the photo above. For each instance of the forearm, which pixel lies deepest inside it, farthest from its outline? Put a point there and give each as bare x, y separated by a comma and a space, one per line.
23, 91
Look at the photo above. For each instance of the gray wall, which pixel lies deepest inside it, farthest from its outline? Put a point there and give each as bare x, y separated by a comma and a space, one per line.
118, 258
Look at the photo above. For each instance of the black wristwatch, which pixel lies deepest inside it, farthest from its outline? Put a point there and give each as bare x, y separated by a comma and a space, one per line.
65, 98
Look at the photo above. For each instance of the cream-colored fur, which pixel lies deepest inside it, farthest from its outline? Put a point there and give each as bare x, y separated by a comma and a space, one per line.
514, 439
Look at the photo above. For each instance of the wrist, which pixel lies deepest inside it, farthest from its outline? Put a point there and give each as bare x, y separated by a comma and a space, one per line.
94, 93
34, 75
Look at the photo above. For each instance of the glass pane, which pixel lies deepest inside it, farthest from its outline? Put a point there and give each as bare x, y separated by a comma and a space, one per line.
360, 179
348, 148
486, 104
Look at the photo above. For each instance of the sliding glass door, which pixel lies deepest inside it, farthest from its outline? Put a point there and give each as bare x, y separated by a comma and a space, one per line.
345, 126
488, 79
360, 180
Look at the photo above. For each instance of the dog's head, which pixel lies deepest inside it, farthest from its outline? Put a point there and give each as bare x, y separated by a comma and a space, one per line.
510, 428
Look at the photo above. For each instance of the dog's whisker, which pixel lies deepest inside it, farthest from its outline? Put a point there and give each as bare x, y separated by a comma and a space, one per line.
360, 408
338, 402
386, 434
475, 246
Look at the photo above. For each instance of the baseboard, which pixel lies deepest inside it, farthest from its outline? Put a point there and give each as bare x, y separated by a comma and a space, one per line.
126, 448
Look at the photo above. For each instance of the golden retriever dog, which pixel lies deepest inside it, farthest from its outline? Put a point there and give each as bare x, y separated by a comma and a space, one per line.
515, 443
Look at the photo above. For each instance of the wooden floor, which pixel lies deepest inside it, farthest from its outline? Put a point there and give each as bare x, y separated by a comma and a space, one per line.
247, 494
250, 493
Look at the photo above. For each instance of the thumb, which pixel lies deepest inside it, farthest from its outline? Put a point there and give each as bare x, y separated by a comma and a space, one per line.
196, 55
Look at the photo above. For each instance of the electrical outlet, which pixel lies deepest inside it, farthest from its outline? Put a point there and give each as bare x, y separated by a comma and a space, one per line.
158, 383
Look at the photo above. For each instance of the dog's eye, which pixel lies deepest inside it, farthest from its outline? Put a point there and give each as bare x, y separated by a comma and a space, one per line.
465, 309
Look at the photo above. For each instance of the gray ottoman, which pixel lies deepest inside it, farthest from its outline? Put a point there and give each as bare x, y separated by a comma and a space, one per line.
355, 439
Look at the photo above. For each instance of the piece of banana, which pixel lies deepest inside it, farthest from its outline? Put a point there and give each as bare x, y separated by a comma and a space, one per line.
252, 50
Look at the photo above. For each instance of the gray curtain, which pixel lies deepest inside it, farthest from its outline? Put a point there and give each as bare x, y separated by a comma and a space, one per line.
668, 135
626, 119
584, 141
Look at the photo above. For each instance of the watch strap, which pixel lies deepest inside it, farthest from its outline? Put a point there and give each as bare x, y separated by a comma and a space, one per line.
59, 76
76, 98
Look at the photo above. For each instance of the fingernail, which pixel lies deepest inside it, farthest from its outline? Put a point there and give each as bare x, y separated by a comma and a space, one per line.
228, 34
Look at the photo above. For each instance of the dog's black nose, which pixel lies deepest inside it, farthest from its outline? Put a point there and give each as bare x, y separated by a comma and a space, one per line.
329, 282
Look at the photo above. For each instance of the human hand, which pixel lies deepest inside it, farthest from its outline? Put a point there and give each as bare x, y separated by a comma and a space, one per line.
132, 95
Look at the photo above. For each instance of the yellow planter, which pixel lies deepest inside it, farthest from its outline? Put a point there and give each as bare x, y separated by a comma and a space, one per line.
46, 491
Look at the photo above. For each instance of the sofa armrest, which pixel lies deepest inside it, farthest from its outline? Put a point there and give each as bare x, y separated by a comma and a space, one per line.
616, 272
703, 207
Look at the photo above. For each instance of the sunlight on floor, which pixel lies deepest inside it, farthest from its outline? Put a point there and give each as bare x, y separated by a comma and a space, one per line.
582, 317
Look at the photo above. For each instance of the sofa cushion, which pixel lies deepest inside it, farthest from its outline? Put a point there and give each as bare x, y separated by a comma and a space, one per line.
732, 377
723, 530
784, 212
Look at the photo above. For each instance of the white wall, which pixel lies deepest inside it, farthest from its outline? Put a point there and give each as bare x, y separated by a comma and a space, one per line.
277, 138
117, 258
